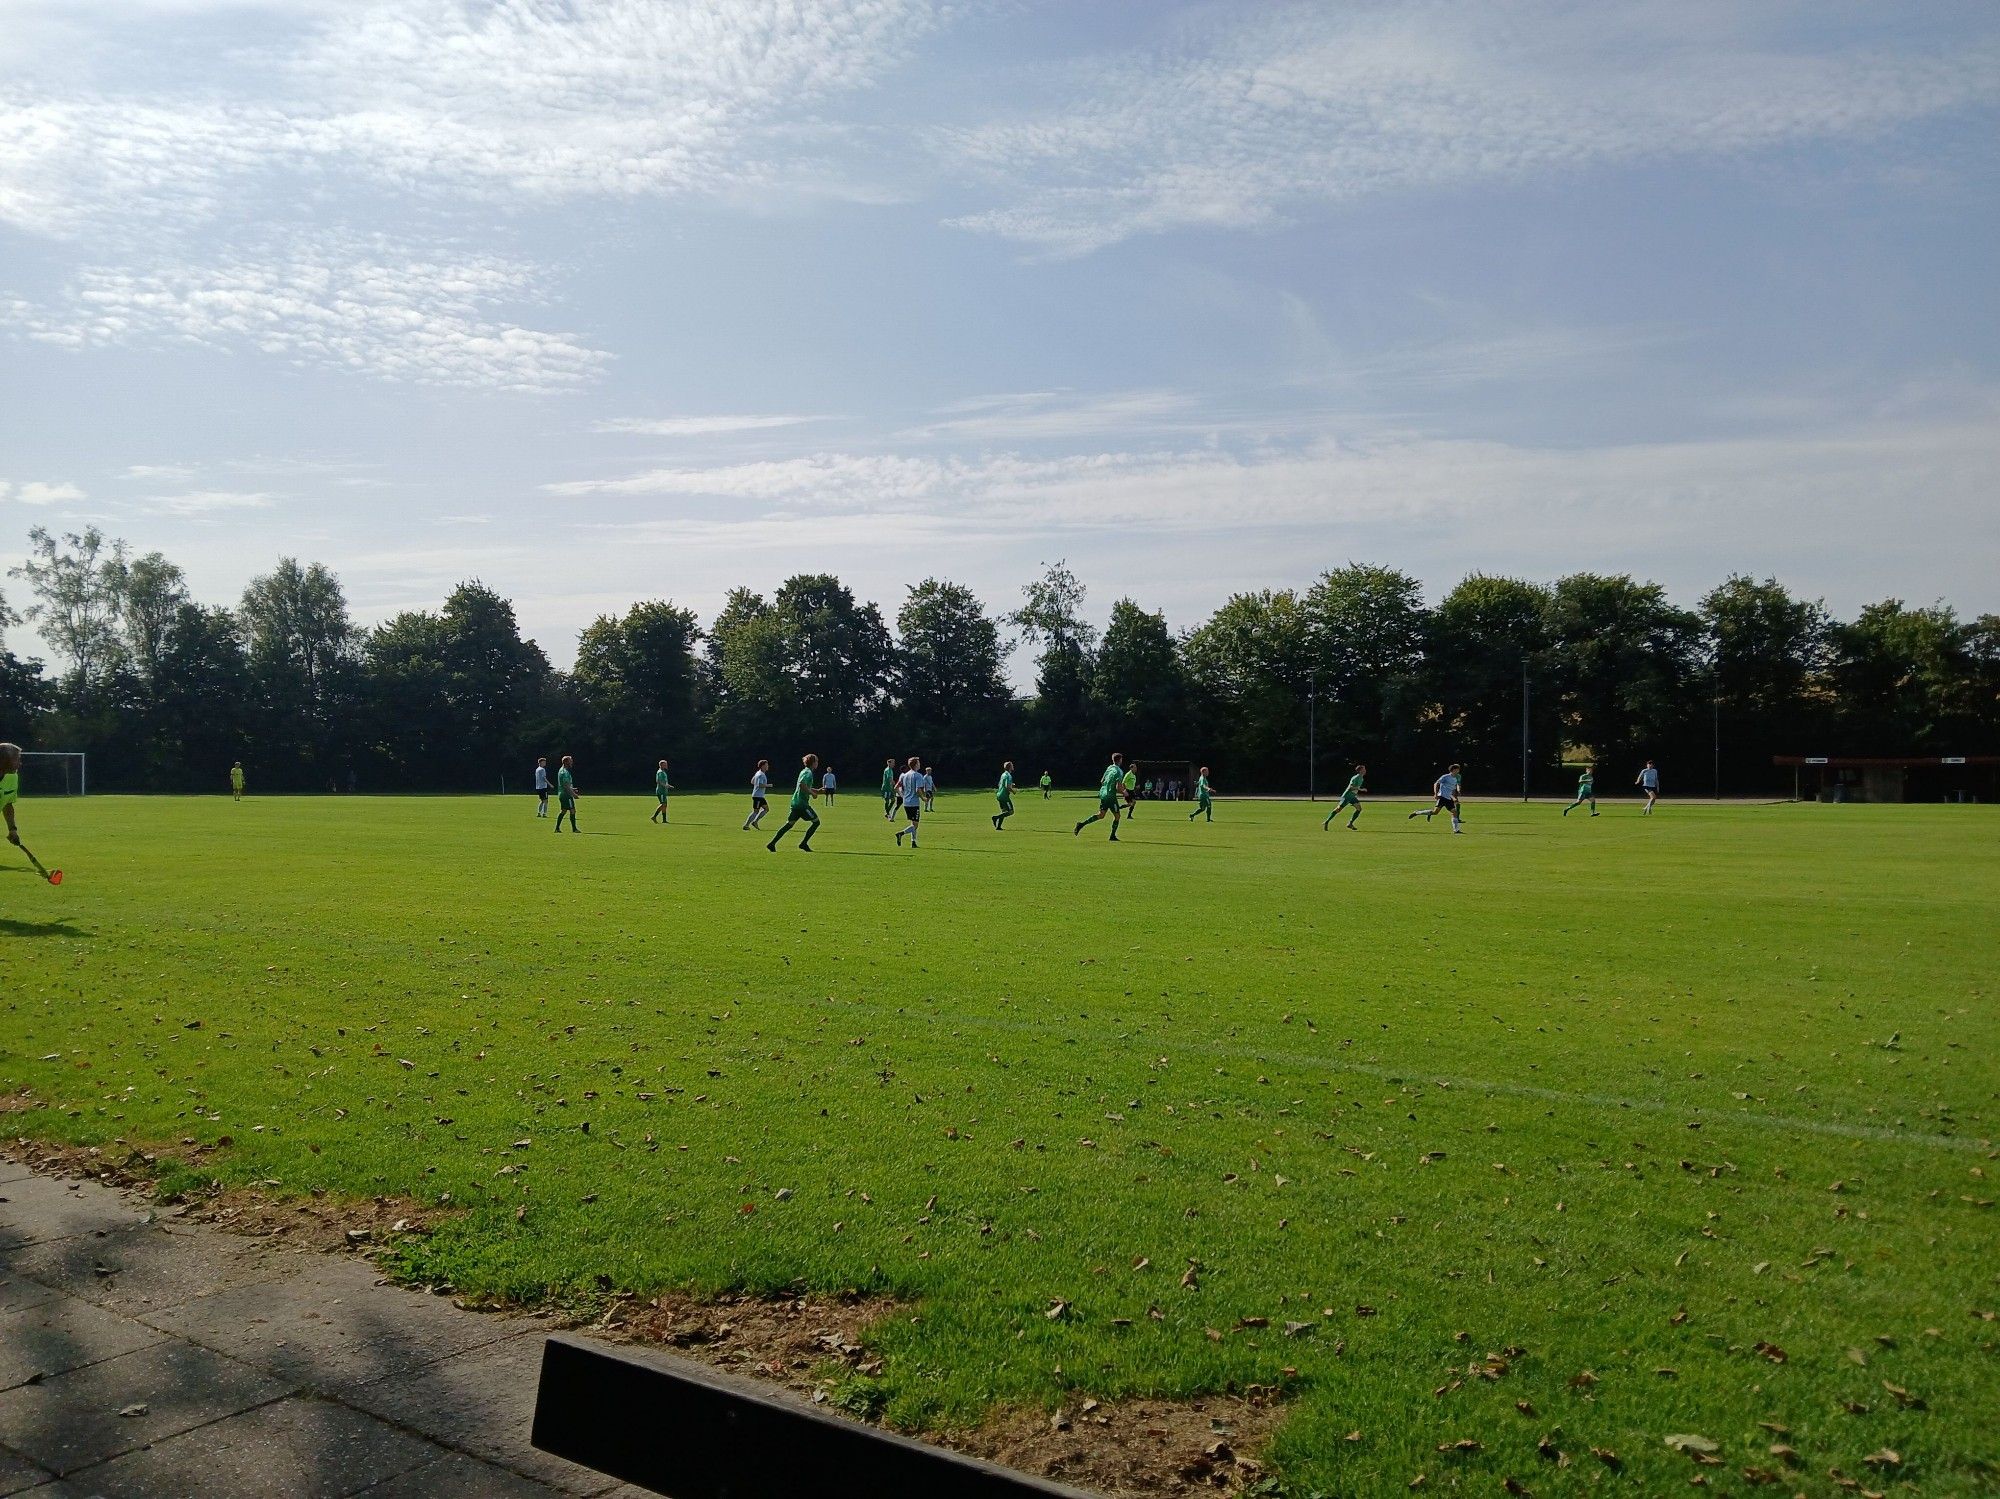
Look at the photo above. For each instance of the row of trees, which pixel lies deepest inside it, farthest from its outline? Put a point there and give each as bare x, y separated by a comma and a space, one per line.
164, 691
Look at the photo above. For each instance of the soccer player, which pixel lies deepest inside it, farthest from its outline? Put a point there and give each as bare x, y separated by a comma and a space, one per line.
1108, 787
1048, 785
910, 788
10, 788
828, 784
1004, 794
1351, 797
1649, 782
542, 787
889, 788
801, 809
1129, 784
1585, 791
1203, 805
1446, 791
930, 790
661, 786
760, 794
566, 794
236, 780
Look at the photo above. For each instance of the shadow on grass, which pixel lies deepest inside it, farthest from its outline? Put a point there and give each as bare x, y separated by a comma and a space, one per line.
60, 927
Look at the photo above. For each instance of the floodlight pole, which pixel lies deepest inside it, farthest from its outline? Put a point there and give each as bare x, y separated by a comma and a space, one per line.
1524, 727
1716, 704
1312, 735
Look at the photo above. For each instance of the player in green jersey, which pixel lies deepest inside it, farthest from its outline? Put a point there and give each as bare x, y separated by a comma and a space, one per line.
1351, 797
1048, 785
566, 794
1204, 804
1004, 794
10, 788
661, 786
1108, 788
801, 809
236, 780
889, 789
1586, 791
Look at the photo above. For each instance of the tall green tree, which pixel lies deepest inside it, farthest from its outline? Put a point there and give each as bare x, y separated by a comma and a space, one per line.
1050, 618
302, 647
201, 699
1909, 681
1628, 665
1484, 641
636, 679
1366, 627
1247, 668
951, 697
1138, 696
1769, 654
75, 581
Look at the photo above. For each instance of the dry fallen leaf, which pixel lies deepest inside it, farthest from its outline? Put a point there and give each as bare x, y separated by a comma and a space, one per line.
1682, 1441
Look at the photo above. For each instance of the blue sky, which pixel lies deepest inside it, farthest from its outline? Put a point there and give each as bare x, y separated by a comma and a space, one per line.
636, 298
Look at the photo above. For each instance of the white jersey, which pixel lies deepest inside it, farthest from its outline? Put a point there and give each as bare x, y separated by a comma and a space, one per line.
541, 778
760, 786
1447, 786
911, 783
1650, 778
827, 783
929, 784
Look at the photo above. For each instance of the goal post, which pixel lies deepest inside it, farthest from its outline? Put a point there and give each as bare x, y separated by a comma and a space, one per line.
55, 773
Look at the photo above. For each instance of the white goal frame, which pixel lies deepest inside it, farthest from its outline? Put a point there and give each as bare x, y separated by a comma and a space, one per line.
81, 758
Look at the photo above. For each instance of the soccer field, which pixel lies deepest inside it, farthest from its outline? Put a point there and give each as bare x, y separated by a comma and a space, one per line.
1684, 1121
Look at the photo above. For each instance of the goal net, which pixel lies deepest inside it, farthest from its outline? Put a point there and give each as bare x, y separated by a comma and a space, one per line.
55, 773
1170, 780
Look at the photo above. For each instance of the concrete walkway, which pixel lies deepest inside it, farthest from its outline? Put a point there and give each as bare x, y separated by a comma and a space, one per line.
146, 1355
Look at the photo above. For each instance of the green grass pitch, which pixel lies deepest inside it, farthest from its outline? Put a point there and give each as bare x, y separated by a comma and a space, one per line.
1700, 1104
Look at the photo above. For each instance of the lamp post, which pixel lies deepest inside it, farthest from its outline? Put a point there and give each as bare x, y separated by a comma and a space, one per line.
1524, 727
1312, 735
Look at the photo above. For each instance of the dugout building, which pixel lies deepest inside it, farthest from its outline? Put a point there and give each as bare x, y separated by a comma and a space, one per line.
1893, 778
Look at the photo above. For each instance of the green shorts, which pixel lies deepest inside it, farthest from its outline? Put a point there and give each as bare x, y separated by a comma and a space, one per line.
567, 803
1006, 803
661, 797
1347, 799
1107, 801
803, 812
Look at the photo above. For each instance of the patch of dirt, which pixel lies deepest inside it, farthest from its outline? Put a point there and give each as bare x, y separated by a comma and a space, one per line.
1122, 1449
1134, 1449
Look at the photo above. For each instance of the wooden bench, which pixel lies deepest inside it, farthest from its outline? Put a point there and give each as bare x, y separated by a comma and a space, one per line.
683, 1430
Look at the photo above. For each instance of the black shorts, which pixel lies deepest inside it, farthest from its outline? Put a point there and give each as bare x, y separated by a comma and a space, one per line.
760, 804
911, 812
1447, 804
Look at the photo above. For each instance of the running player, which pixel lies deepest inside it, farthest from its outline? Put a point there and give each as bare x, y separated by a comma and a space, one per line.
1585, 791
1204, 806
1446, 792
661, 786
542, 787
1108, 788
760, 794
889, 788
236, 780
1129, 784
1351, 797
801, 809
1048, 785
1649, 782
1004, 794
910, 789
566, 794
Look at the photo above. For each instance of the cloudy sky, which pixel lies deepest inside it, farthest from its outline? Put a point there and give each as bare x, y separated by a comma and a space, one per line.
609, 299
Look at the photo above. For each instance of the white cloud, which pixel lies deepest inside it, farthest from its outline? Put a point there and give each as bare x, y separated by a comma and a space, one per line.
1260, 112
158, 471
618, 98
697, 426
39, 492
361, 307
208, 502
1034, 415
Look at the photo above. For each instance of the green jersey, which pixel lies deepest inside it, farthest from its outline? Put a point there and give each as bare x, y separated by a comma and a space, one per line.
802, 793
660, 782
1047, 780
1583, 784
1131, 780
565, 785
1354, 786
1201, 788
10, 788
888, 779
1005, 790
1114, 777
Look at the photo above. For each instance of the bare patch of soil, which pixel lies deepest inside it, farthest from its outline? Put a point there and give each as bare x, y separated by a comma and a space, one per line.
788, 1340
1135, 1449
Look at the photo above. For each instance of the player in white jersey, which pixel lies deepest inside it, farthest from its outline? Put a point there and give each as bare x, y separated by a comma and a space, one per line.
760, 795
930, 789
1446, 792
542, 787
1649, 782
910, 787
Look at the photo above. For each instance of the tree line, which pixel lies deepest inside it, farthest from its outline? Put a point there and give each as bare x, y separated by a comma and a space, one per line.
164, 691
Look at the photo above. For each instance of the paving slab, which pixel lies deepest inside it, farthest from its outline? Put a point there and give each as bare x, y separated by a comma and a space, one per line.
73, 1420
16, 1290
482, 1402
34, 1209
53, 1336
300, 1447
460, 1477
11, 1170
18, 1474
331, 1327
152, 1266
